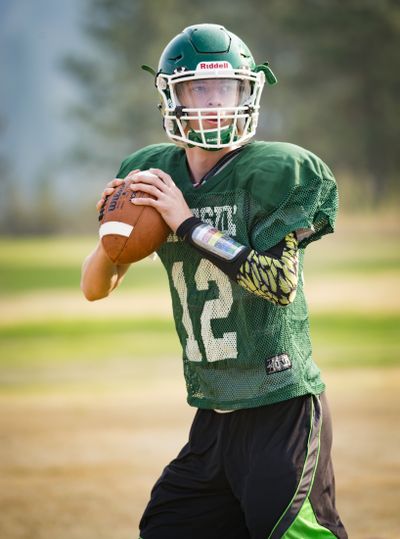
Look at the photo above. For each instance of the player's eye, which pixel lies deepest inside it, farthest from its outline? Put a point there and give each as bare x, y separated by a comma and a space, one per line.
227, 88
198, 88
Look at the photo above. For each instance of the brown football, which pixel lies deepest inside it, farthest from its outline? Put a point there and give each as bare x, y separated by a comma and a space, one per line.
129, 233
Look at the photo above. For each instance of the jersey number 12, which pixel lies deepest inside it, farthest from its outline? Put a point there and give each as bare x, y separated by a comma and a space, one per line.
216, 348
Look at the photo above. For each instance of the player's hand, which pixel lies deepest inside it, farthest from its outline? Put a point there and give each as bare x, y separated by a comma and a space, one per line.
111, 186
168, 198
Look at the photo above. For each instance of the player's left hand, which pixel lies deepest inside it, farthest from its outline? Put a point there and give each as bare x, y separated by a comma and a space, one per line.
168, 198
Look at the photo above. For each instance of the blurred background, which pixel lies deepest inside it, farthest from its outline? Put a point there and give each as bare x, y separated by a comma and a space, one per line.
92, 395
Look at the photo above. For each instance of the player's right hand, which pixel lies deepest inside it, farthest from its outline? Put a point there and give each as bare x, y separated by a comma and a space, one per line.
110, 188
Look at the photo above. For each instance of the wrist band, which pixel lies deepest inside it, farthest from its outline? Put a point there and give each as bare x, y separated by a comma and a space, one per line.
209, 239
222, 250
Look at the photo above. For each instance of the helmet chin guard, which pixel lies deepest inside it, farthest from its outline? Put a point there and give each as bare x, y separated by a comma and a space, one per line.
214, 138
208, 52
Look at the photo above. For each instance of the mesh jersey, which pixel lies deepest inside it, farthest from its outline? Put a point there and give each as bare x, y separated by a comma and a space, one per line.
240, 350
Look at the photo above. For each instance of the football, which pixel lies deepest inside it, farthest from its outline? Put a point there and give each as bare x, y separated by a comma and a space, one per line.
128, 232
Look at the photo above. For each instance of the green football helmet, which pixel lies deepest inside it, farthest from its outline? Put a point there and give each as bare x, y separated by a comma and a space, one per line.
194, 117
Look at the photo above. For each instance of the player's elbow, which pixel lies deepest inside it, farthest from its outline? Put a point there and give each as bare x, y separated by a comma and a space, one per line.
91, 293
279, 298
286, 292
286, 299
94, 297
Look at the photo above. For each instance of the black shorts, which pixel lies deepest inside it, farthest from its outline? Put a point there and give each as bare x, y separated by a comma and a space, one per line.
251, 474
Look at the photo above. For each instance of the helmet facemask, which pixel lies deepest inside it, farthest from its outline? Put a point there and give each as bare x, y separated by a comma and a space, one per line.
211, 108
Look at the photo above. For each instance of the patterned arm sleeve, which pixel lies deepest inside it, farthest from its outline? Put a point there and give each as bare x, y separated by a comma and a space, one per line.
272, 275
272, 278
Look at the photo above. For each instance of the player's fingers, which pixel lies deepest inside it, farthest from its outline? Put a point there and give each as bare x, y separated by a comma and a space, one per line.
146, 188
104, 195
107, 192
131, 173
166, 178
148, 180
115, 183
99, 204
143, 201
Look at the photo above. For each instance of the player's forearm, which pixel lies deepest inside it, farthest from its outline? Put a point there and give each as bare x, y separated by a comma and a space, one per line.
99, 275
272, 276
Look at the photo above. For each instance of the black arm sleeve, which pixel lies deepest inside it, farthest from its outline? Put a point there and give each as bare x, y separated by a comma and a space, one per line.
228, 262
272, 275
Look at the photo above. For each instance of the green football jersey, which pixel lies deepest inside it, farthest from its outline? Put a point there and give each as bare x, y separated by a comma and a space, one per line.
240, 350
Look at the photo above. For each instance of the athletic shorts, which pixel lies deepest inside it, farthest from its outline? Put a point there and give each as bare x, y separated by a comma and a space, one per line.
255, 473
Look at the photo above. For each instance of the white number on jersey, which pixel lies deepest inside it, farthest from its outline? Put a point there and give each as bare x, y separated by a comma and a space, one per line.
216, 348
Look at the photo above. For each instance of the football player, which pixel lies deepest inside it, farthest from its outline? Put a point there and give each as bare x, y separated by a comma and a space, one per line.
257, 464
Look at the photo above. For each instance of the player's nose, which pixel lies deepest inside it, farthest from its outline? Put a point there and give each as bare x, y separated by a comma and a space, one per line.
214, 99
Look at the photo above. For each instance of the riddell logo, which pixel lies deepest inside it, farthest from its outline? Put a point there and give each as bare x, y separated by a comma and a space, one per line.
214, 65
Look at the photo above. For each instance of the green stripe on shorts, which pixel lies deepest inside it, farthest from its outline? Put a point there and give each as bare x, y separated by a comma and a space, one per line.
306, 525
295, 508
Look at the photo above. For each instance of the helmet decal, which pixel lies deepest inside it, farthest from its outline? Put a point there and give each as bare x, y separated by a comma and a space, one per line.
210, 66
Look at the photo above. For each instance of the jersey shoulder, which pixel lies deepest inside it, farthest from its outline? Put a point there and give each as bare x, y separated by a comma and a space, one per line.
274, 169
284, 152
164, 156
291, 189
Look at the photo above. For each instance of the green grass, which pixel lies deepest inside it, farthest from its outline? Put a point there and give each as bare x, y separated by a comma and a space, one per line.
339, 340
45, 251
31, 264
75, 341
30, 349
360, 266
360, 246
352, 340
16, 279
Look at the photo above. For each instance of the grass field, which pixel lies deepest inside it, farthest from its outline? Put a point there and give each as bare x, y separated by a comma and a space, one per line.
92, 394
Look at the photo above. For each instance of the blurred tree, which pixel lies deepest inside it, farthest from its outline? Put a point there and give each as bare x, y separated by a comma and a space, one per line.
12, 208
346, 83
23, 212
117, 96
335, 62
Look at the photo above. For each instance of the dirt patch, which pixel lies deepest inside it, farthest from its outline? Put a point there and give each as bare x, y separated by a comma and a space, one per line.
79, 464
45, 305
